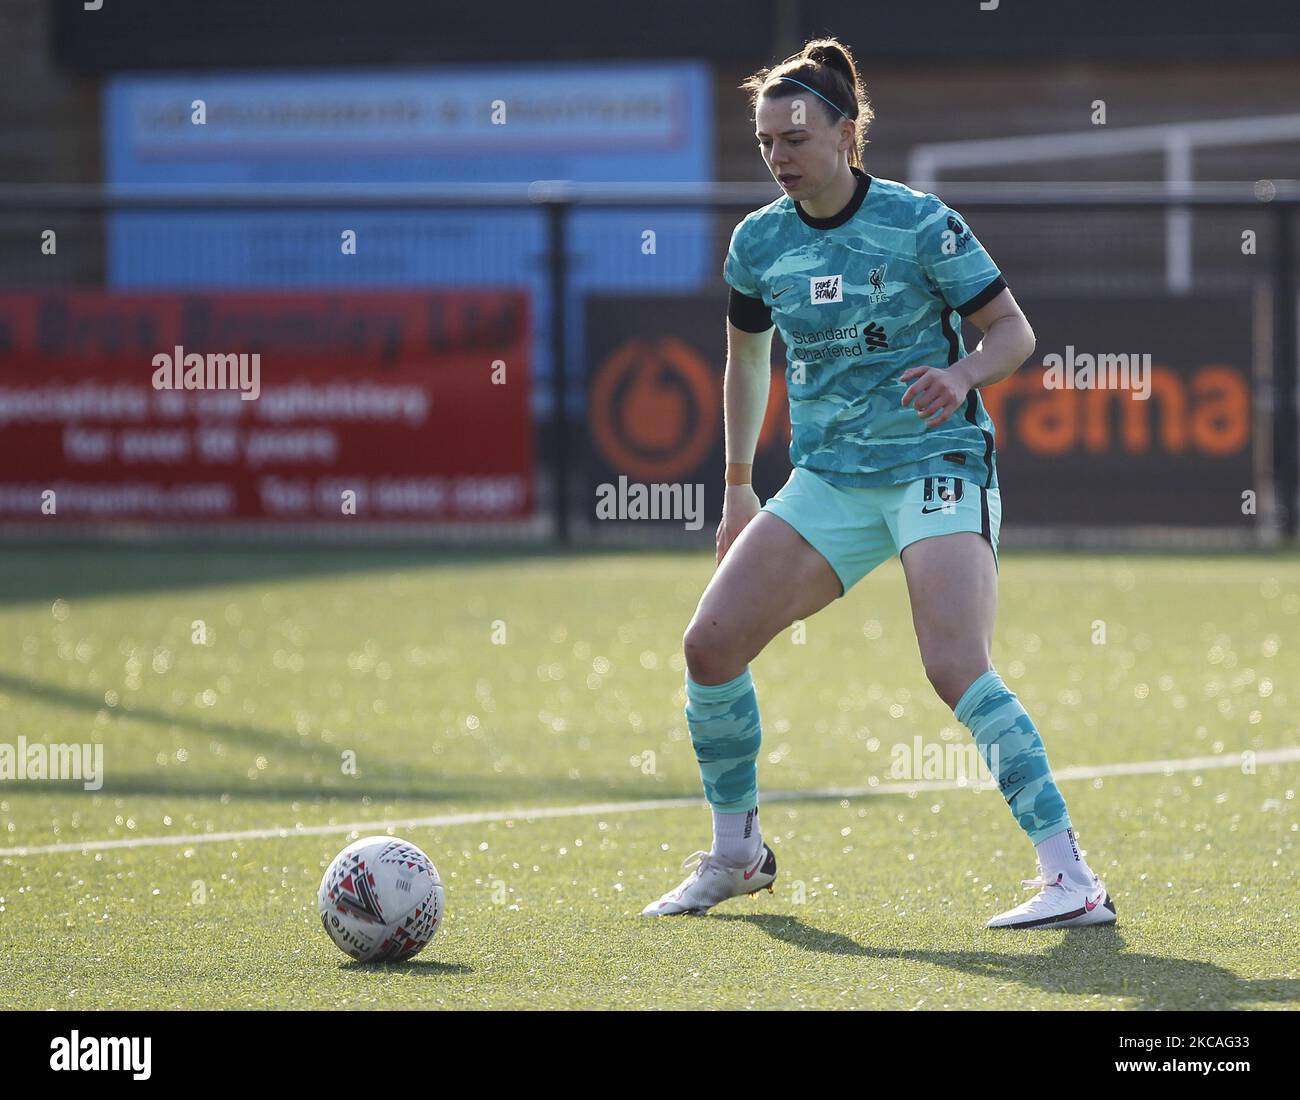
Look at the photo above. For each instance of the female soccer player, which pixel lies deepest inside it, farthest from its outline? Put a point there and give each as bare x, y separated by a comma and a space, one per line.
892, 452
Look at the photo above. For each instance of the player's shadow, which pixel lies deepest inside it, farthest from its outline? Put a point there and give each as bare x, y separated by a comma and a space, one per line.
1082, 962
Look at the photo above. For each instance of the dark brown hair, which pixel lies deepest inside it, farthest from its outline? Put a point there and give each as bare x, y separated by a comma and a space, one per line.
826, 66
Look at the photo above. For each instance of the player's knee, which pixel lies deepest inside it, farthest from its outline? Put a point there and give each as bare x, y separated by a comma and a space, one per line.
711, 653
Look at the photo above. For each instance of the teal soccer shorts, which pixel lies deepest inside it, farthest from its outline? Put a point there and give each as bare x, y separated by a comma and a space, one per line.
855, 529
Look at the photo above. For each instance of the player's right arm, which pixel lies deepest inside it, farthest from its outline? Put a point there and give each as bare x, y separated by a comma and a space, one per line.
744, 402
744, 385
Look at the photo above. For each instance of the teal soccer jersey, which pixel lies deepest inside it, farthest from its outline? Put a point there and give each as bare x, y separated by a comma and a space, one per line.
859, 298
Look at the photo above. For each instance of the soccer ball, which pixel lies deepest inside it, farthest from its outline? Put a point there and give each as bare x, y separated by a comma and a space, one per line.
381, 899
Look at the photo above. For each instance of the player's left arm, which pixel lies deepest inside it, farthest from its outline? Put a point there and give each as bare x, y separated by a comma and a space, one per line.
1007, 342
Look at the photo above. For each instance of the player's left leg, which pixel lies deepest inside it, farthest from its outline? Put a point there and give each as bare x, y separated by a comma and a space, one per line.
952, 583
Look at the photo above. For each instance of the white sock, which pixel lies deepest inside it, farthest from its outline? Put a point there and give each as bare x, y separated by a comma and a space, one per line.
737, 838
1059, 854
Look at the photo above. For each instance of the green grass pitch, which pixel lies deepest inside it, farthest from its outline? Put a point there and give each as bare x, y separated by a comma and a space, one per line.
485, 683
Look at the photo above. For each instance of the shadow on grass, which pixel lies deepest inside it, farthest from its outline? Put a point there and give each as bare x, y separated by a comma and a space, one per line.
392, 783
91, 703
39, 573
1082, 962
242, 735
419, 966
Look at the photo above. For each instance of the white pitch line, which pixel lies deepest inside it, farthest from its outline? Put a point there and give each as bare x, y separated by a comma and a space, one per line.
1146, 767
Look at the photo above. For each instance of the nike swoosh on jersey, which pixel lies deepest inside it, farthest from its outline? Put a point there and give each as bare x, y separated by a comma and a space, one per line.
775, 296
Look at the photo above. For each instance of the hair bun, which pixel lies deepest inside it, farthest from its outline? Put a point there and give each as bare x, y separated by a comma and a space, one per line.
833, 56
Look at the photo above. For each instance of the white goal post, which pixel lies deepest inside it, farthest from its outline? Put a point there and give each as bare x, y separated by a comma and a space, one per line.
1176, 140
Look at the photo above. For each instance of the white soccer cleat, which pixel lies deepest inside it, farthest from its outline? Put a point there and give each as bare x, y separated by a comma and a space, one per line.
712, 882
1059, 903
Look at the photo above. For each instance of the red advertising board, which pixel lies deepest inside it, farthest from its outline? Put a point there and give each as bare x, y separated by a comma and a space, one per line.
315, 406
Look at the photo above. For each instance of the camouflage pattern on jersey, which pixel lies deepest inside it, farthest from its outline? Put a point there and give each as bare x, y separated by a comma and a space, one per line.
856, 306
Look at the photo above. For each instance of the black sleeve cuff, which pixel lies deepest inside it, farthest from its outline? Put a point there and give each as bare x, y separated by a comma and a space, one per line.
748, 314
983, 298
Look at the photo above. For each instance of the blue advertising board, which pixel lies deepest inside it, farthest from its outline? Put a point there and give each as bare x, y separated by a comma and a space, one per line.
591, 123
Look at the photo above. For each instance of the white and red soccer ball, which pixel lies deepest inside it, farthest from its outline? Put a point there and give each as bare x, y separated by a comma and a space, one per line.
381, 899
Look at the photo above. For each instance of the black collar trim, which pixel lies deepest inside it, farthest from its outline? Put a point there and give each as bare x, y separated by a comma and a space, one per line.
836, 220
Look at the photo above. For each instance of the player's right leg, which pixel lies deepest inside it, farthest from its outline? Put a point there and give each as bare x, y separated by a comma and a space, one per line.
769, 578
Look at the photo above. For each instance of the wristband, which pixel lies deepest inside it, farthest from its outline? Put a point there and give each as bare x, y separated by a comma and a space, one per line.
739, 473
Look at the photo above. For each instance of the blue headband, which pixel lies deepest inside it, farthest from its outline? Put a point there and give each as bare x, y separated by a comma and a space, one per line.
814, 92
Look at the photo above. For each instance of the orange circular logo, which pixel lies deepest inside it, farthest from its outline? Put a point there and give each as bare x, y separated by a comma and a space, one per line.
654, 409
